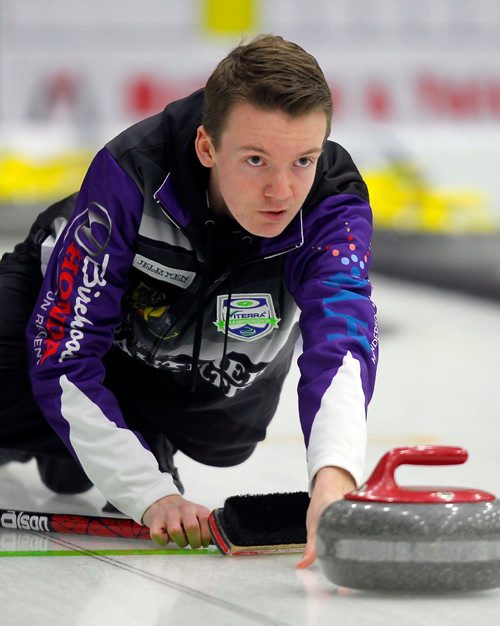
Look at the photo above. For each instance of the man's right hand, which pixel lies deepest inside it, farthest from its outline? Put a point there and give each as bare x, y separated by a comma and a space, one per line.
179, 520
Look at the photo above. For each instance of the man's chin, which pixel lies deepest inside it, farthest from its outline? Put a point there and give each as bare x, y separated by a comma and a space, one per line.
269, 230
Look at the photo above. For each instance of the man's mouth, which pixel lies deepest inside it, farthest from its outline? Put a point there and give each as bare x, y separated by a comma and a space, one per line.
274, 216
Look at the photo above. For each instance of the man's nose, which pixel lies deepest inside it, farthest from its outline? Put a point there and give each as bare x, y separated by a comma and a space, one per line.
278, 186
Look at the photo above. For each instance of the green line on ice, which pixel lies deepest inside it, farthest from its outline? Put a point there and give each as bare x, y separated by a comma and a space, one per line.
83, 552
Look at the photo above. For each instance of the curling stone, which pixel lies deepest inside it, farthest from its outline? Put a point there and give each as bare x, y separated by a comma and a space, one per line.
383, 536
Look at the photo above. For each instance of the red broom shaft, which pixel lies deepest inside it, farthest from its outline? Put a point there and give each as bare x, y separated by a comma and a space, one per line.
73, 524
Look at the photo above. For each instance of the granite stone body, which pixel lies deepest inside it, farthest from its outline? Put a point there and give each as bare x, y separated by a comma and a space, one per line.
411, 547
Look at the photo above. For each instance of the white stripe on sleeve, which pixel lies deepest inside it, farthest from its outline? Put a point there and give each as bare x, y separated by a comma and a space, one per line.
113, 458
338, 434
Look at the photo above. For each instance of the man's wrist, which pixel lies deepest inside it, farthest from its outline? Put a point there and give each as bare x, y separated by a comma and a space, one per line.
334, 477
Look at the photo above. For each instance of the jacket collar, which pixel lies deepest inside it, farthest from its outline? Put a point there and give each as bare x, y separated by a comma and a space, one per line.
166, 196
292, 237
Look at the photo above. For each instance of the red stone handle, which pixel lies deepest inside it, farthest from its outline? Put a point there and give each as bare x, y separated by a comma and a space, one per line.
382, 486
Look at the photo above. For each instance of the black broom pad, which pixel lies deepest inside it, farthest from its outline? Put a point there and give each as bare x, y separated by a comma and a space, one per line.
270, 519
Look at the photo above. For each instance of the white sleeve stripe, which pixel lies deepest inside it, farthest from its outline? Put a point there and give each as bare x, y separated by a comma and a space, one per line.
113, 458
338, 434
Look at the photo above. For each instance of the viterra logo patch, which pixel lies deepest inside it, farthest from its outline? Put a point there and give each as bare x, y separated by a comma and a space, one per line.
251, 316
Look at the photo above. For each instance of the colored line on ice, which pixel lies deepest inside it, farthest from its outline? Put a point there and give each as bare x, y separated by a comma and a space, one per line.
84, 552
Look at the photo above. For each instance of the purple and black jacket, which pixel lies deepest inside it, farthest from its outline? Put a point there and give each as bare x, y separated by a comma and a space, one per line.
143, 267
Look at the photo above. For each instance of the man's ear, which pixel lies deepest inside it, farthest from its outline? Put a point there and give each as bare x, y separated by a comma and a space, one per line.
204, 147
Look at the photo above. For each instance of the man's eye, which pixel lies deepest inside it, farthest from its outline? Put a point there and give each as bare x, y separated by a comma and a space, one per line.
254, 160
303, 162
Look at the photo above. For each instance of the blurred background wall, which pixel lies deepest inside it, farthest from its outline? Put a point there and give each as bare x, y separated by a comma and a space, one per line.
416, 87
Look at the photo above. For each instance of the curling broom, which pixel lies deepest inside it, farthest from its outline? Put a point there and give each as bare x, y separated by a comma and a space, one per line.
245, 525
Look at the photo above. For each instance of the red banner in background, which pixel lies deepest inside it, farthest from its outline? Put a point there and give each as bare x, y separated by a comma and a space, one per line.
430, 97
471, 98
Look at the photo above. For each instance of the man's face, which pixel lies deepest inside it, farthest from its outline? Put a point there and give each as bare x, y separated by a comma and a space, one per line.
264, 166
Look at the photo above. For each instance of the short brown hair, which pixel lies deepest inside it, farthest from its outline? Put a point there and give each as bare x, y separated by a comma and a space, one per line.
270, 73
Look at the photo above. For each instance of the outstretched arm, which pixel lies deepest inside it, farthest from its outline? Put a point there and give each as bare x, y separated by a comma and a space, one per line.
328, 277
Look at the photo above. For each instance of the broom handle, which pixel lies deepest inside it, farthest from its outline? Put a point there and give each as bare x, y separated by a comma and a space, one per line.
72, 524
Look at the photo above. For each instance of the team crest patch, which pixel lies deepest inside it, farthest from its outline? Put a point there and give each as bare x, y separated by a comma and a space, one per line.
251, 315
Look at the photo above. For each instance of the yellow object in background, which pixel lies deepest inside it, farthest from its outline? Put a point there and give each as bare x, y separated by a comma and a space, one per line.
402, 199
229, 17
32, 181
